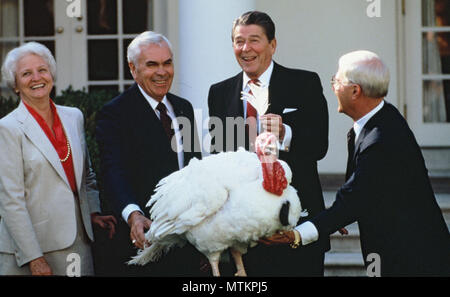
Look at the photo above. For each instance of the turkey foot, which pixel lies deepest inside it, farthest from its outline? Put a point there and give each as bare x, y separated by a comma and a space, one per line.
214, 261
237, 256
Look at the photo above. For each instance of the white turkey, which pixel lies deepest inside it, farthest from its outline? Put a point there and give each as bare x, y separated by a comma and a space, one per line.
227, 200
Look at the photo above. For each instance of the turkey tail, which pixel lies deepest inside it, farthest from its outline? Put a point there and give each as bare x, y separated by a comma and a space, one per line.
284, 213
150, 254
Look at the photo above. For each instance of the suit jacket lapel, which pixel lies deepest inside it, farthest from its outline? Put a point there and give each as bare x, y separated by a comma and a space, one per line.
74, 139
365, 131
151, 129
188, 146
236, 107
275, 90
34, 132
177, 108
148, 122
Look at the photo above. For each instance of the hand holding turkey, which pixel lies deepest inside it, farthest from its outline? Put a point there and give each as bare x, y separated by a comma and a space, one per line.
283, 237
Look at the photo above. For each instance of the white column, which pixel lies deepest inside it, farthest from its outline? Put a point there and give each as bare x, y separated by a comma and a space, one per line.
205, 53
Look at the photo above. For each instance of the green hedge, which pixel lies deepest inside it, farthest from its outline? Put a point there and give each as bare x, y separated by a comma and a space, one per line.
89, 103
7, 105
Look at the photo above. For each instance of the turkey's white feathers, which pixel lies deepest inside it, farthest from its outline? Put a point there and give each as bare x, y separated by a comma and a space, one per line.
186, 197
216, 203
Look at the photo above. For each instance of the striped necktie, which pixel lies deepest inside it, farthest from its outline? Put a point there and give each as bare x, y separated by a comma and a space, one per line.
252, 119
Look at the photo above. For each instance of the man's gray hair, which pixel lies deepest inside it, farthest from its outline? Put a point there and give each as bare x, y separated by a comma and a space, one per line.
144, 39
9, 66
366, 69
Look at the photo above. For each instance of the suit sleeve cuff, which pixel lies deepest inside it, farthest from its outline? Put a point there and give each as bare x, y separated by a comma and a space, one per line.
308, 232
129, 209
286, 143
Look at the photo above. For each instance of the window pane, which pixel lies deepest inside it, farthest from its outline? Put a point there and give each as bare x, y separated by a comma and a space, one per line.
50, 44
126, 68
5, 47
38, 16
435, 13
103, 59
9, 21
111, 90
135, 16
436, 52
436, 101
102, 16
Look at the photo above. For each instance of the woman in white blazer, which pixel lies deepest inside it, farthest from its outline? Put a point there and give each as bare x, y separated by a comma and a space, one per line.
48, 194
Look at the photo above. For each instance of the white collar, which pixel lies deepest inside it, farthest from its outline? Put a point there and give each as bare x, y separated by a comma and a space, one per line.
359, 124
263, 78
154, 103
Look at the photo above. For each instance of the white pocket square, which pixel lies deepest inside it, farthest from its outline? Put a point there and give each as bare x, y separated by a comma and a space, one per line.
286, 110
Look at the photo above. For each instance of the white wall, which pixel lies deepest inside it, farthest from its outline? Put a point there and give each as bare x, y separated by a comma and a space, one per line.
311, 35
314, 34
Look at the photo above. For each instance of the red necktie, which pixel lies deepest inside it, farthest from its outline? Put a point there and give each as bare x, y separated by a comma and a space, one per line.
251, 119
251, 111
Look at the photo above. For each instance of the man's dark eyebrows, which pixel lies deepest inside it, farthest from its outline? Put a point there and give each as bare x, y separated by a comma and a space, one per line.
251, 36
150, 62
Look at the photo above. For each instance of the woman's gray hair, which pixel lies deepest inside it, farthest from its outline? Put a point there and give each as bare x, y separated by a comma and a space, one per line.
9, 66
144, 39
366, 69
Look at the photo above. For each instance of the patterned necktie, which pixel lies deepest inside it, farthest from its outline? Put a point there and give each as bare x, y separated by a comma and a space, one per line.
251, 111
351, 151
251, 119
165, 120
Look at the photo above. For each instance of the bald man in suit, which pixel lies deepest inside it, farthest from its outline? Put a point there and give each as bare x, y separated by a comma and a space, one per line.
387, 189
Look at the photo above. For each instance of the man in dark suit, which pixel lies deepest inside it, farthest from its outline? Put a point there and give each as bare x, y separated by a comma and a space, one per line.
297, 115
140, 143
387, 189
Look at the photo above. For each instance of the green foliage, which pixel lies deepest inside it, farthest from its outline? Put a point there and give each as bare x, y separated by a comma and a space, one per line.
89, 103
7, 105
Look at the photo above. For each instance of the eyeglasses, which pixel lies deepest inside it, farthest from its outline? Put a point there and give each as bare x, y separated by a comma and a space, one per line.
335, 81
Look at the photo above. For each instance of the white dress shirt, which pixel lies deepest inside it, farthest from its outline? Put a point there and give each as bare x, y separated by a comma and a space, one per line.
170, 112
264, 81
308, 232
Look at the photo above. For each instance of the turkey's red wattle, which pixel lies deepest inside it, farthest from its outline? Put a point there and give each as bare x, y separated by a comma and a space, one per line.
274, 177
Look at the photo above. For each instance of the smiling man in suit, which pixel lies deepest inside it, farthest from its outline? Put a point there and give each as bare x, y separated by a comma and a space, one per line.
387, 189
297, 115
139, 142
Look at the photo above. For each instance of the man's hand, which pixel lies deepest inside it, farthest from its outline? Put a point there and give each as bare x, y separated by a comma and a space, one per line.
138, 224
280, 237
40, 266
105, 222
273, 123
